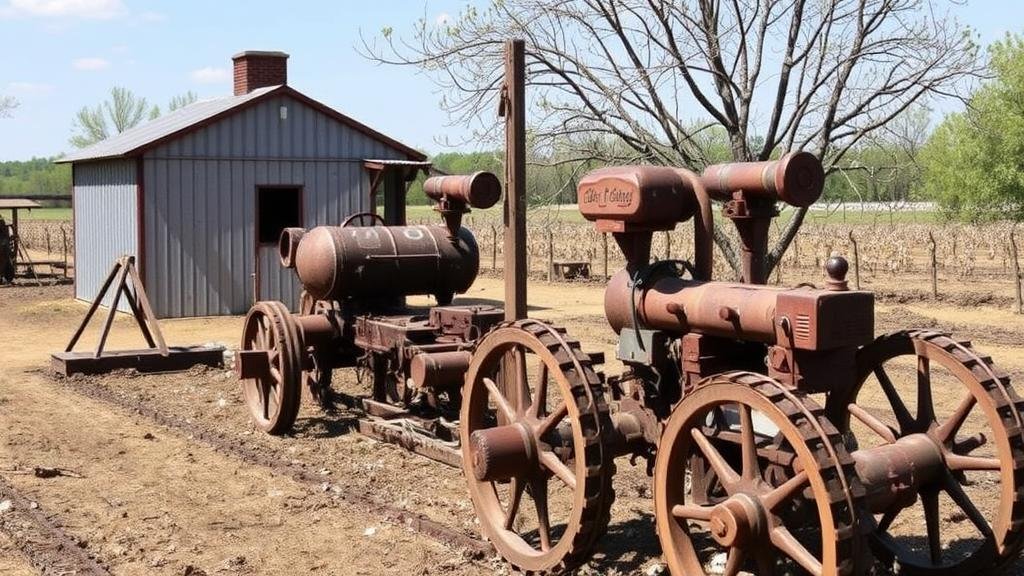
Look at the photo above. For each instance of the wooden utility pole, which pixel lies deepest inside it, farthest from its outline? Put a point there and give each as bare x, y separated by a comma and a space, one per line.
513, 108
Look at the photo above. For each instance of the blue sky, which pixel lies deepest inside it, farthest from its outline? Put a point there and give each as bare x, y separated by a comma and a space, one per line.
58, 55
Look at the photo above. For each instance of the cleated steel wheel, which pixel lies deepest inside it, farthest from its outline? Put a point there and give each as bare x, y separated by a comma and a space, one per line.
534, 425
738, 422
961, 511
273, 395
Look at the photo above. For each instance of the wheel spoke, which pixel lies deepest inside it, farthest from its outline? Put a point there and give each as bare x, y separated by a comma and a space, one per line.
499, 399
516, 487
692, 512
888, 517
784, 540
949, 429
552, 419
522, 391
748, 442
956, 492
930, 503
957, 462
783, 493
264, 390
556, 466
540, 395
873, 423
726, 475
925, 406
906, 421
735, 561
539, 492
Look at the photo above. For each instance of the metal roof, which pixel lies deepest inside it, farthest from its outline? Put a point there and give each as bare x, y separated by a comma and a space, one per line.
6, 203
198, 114
183, 118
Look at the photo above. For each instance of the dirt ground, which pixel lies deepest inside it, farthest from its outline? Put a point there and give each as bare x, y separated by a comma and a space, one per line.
145, 499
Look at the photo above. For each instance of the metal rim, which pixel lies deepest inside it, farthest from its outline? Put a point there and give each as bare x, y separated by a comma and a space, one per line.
273, 398
986, 388
583, 407
375, 219
750, 521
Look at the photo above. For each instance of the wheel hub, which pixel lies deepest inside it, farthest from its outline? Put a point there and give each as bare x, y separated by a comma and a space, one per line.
737, 521
502, 452
893, 474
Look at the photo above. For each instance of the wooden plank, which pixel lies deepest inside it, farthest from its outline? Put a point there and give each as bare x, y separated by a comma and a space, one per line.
146, 361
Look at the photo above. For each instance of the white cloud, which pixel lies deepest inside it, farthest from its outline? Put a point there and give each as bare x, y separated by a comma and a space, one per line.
210, 75
85, 9
90, 64
443, 19
31, 88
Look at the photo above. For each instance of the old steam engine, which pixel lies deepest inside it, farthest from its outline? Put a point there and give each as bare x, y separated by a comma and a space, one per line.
783, 437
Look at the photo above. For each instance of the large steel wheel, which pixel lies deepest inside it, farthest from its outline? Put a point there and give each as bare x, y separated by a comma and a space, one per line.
739, 423
534, 428
965, 513
273, 395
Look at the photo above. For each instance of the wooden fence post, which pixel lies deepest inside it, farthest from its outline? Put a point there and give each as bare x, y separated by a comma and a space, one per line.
1017, 279
935, 268
604, 243
856, 262
494, 248
551, 257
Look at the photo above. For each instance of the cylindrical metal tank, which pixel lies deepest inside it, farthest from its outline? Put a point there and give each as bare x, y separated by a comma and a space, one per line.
336, 263
797, 179
730, 310
479, 190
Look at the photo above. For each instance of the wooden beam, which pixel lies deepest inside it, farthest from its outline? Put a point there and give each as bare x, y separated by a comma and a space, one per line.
513, 107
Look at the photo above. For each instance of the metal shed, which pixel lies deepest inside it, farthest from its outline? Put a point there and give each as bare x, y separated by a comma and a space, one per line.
200, 195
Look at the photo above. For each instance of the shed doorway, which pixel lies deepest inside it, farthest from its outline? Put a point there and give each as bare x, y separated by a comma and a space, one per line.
277, 208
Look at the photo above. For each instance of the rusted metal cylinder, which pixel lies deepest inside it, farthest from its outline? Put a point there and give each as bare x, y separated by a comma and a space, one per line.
336, 263
797, 179
317, 329
500, 453
726, 309
288, 243
439, 370
623, 197
892, 474
479, 190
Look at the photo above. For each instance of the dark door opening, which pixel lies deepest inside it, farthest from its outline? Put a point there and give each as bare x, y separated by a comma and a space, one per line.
277, 208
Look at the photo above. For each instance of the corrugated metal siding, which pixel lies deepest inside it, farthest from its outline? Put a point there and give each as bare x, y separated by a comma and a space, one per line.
105, 222
200, 202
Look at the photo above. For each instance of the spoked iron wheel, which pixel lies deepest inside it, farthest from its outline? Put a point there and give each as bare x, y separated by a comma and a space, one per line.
273, 396
734, 421
534, 424
961, 510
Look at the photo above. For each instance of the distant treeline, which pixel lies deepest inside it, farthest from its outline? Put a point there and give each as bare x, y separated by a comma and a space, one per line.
35, 177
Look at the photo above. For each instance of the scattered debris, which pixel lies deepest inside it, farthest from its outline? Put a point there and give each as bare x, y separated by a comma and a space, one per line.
370, 531
47, 472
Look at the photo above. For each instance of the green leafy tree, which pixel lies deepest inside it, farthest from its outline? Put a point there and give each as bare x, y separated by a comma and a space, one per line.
974, 161
123, 110
182, 100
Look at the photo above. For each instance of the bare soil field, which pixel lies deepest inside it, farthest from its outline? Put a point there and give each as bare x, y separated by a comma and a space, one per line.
166, 475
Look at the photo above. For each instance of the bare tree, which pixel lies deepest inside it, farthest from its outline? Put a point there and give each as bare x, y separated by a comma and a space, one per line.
639, 80
7, 104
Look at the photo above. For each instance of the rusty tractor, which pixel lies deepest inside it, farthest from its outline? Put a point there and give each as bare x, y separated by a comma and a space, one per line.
782, 435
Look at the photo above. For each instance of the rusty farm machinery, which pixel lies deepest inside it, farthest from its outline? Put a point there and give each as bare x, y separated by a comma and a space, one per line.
782, 435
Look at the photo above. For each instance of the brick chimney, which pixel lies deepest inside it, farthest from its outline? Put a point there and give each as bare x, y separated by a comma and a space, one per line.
255, 69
